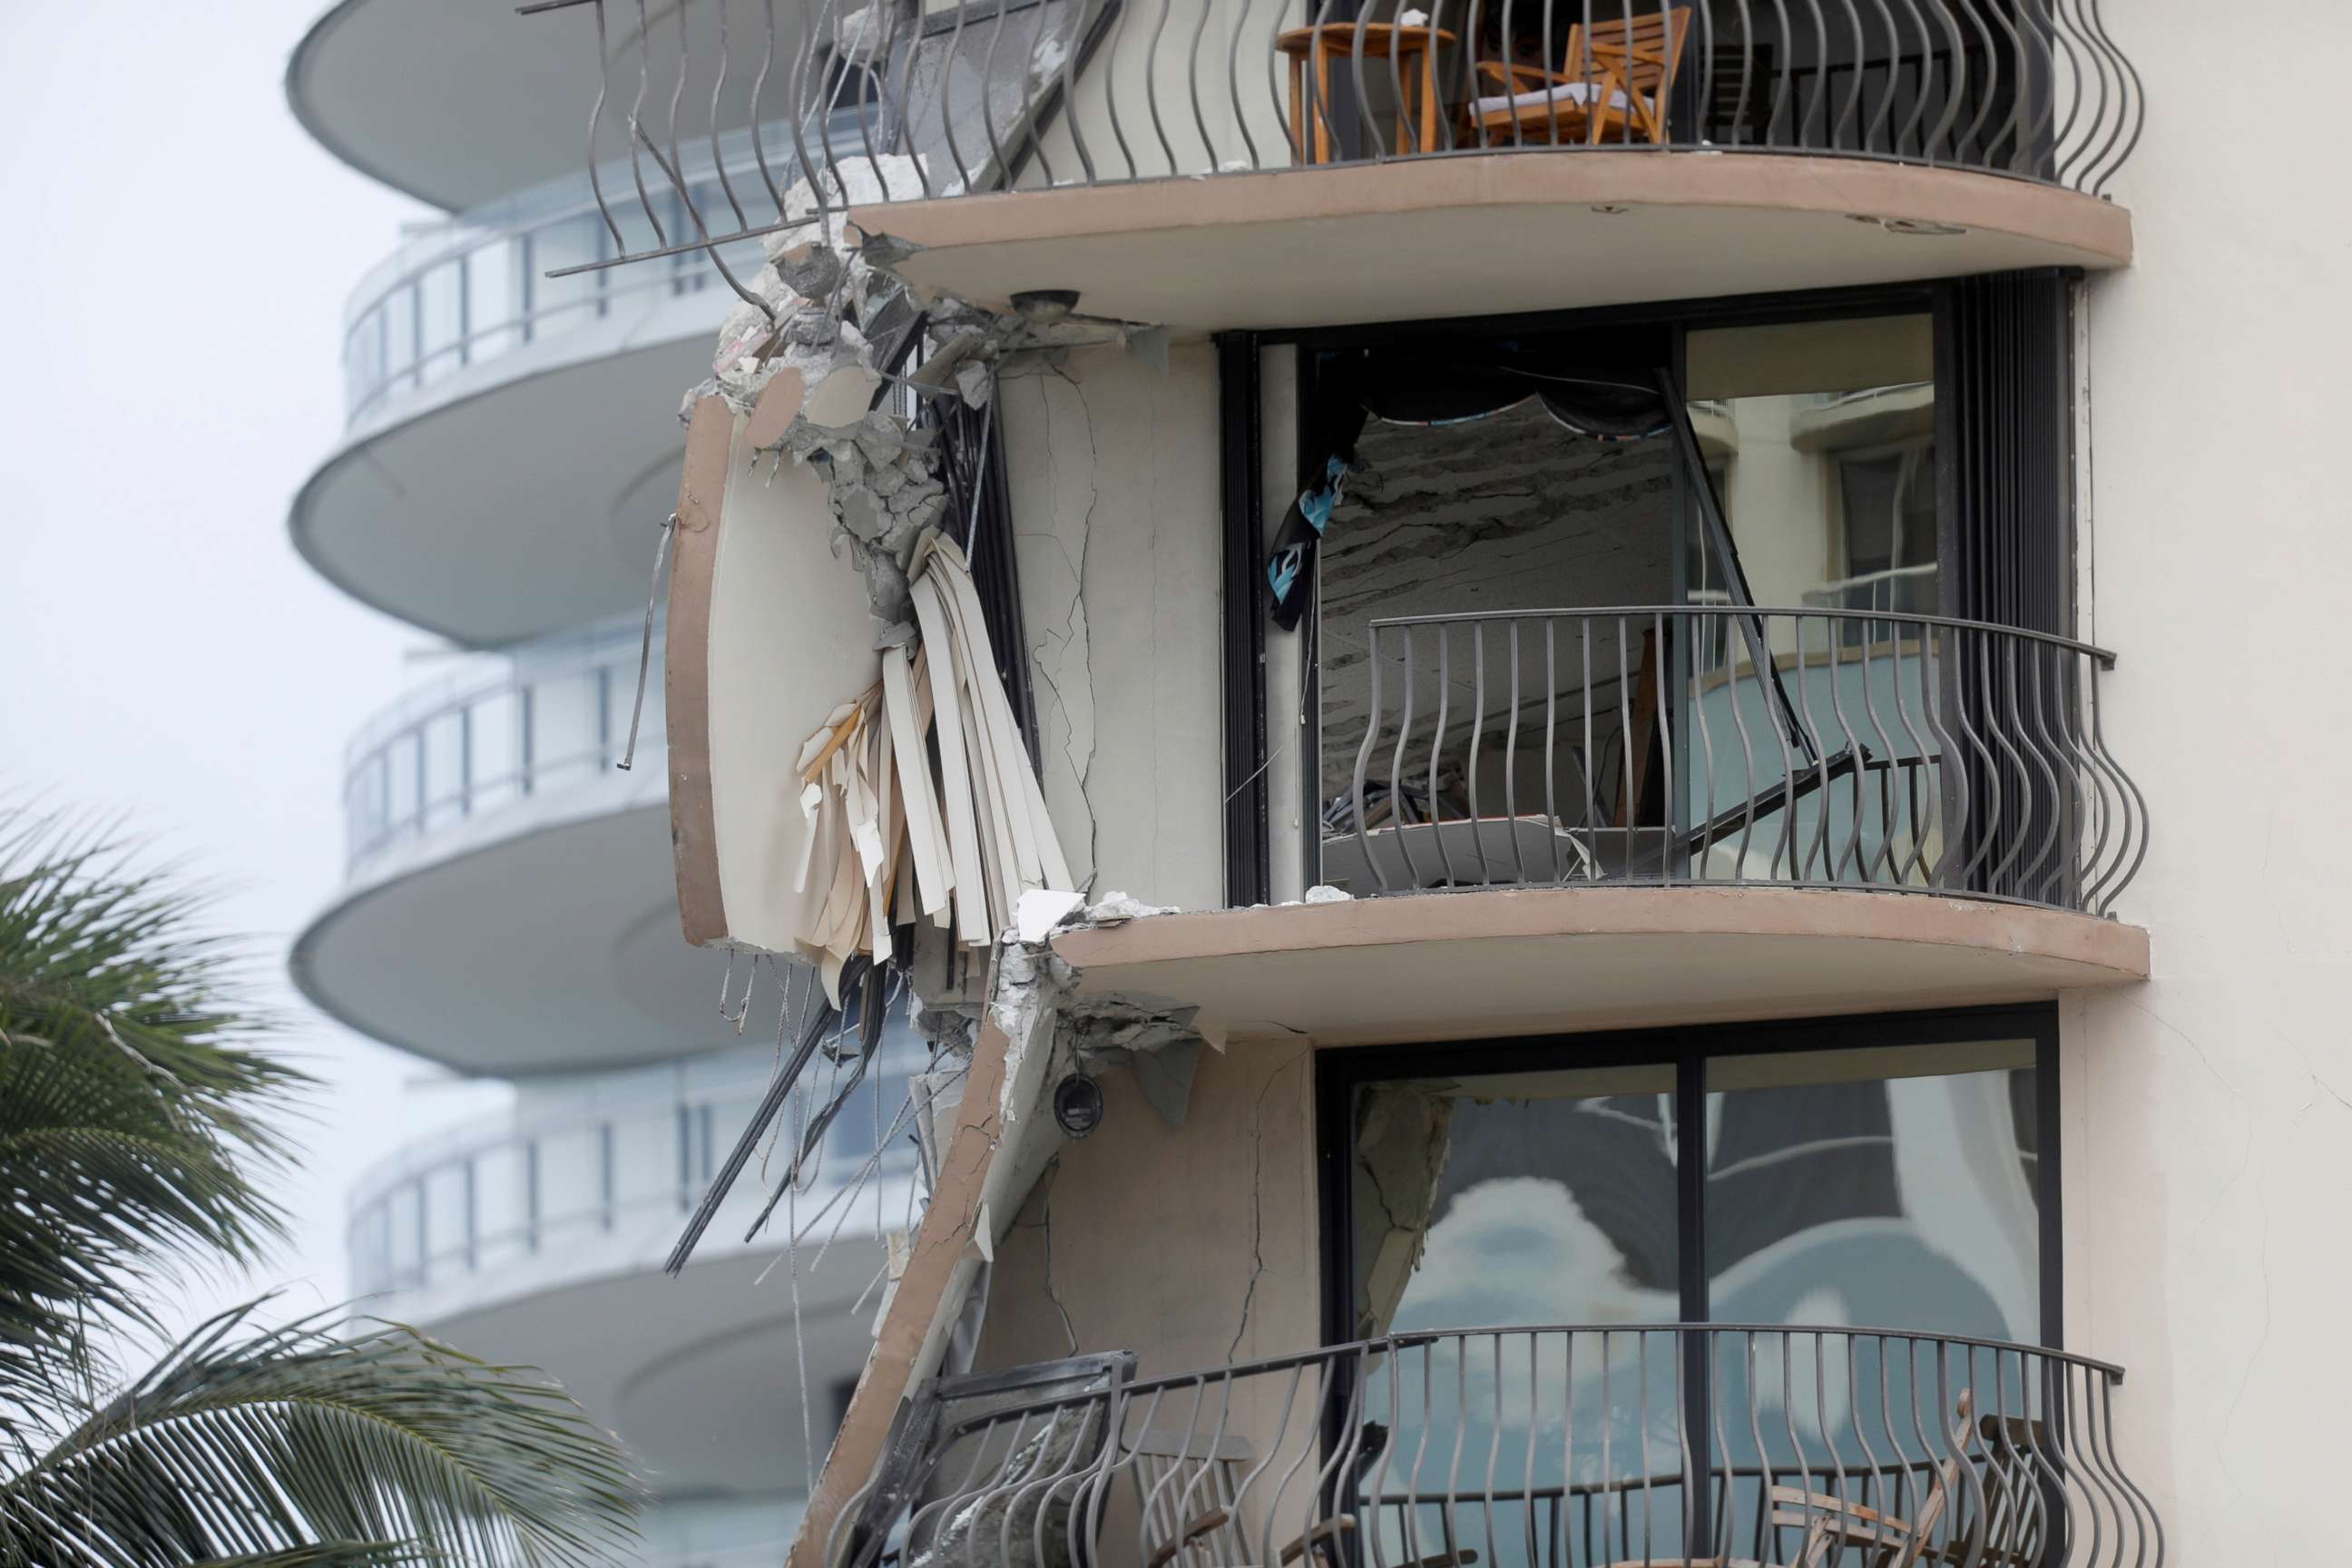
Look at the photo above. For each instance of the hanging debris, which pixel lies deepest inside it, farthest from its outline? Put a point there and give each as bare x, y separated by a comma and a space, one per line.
895, 837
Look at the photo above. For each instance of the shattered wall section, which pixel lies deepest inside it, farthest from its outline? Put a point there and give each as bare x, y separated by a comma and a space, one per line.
1112, 469
1214, 1258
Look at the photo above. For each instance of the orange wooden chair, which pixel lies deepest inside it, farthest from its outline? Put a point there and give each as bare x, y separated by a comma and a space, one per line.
1614, 87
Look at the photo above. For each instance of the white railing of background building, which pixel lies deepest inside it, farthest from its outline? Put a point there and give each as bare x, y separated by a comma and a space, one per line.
503, 727
471, 289
499, 1194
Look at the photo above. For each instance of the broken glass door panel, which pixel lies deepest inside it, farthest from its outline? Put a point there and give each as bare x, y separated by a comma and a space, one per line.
1544, 1198
1851, 795
1506, 726
1818, 439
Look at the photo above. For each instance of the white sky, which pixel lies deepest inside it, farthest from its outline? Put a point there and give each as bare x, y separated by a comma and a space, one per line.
174, 255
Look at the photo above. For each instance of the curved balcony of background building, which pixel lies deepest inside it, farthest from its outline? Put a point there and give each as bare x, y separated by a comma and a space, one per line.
539, 1238
1473, 163
507, 905
511, 441
488, 126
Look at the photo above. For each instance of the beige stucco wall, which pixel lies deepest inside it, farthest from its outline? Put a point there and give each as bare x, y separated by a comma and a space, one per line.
1112, 469
2209, 1135
1210, 1259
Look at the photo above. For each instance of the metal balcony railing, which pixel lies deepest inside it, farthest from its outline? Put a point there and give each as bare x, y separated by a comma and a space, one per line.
629, 1148
547, 715
1715, 745
474, 287
1533, 1447
994, 95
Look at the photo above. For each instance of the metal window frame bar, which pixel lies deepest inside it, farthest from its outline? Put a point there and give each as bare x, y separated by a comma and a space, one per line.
1240, 473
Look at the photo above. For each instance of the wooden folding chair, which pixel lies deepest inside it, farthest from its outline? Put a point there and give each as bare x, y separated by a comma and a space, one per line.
1616, 79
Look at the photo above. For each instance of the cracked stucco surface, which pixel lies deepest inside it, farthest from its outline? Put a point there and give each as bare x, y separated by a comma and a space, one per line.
1213, 1259
1112, 467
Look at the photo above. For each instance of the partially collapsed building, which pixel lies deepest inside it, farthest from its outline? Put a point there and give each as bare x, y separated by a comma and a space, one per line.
1451, 661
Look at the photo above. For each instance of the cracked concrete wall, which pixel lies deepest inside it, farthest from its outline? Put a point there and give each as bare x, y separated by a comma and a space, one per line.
2209, 1130
1213, 1259
1112, 469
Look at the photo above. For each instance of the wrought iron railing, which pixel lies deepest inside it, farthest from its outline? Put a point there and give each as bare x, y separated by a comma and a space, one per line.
1710, 743
1537, 1447
1017, 94
499, 728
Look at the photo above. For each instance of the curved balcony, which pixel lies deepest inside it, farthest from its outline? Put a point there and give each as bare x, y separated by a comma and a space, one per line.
488, 125
509, 905
512, 438
1669, 815
1203, 172
1533, 1447
539, 1238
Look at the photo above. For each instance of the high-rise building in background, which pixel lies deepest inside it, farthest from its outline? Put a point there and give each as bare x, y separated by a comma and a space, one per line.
510, 454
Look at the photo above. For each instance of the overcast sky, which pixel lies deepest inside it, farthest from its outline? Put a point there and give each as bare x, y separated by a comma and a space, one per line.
175, 260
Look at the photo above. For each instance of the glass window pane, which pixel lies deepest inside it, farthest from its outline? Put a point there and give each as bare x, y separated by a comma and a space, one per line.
402, 781
1531, 1198
441, 295
447, 1220
371, 1259
1884, 1188
645, 1162
494, 294
364, 805
1816, 430
571, 1182
362, 359
404, 1209
495, 724
445, 768
559, 304
400, 335
501, 1205
566, 729
1535, 1198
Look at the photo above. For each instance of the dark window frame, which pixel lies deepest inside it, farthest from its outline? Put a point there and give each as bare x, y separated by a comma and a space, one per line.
1965, 311
1340, 1071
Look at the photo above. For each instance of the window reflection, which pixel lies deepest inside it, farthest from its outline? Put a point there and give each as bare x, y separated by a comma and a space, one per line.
1887, 1188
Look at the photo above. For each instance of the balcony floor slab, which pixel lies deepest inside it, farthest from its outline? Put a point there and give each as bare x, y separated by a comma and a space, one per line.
1494, 963
1491, 234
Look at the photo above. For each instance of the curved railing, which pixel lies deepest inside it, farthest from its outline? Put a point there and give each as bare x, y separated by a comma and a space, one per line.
1042, 93
474, 288
1716, 745
1530, 1447
499, 728
609, 1153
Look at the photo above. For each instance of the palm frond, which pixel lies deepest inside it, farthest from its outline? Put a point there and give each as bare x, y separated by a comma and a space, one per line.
135, 1117
264, 1445
326, 1554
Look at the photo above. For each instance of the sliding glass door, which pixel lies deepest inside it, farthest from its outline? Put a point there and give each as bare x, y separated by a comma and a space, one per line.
1843, 1202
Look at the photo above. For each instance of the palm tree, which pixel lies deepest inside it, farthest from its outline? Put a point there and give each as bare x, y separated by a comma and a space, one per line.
138, 1122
